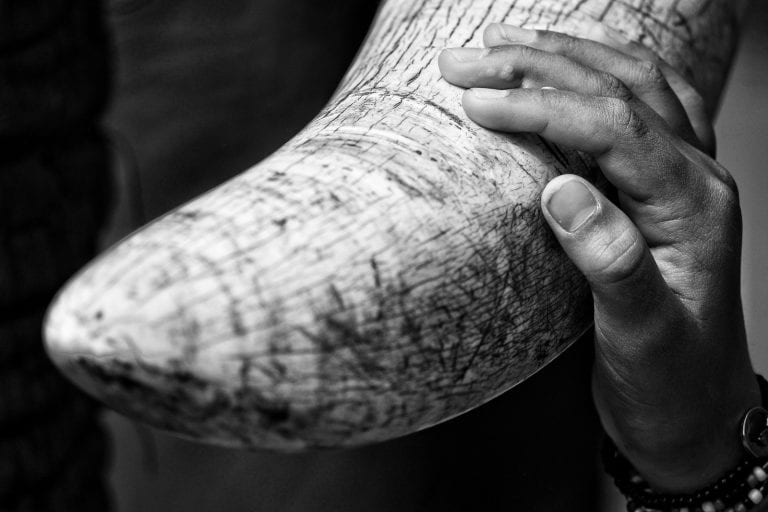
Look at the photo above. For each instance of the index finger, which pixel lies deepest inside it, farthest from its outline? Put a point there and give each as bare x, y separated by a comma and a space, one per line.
649, 77
644, 164
693, 103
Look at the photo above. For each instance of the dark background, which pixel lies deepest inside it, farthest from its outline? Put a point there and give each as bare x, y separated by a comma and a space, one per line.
195, 105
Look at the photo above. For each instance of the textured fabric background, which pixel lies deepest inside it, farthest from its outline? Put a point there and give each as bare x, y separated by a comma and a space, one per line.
54, 188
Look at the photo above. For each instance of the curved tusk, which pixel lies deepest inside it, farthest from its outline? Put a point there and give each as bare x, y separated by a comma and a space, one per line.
384, 271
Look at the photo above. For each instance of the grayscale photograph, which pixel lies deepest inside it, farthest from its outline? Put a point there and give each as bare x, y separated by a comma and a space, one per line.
383, 256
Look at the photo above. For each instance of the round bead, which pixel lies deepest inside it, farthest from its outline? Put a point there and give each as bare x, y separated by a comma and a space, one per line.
760, 474
755, 496
740, 508
719, 505
752, 481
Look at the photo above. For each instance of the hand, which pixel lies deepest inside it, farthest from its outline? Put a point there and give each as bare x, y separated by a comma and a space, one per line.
672, 375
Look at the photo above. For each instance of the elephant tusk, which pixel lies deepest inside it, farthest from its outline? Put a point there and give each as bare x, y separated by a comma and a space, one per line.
387, 269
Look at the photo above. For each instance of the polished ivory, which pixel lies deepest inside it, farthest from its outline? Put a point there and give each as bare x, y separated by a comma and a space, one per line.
385, 270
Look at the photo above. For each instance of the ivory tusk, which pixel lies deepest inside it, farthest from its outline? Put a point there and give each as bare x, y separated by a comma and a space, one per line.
384, 271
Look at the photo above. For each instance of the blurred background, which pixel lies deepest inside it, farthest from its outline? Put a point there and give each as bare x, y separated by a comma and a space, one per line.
181, 85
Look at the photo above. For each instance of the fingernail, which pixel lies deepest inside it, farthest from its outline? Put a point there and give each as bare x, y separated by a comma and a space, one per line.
547, 88
467, 54
572, 205
513, 34
489, 94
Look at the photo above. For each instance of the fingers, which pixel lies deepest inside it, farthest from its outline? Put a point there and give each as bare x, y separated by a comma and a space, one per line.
508, 67
659, 187
692, 101
609, 250
523, 67
643, 77
636, 159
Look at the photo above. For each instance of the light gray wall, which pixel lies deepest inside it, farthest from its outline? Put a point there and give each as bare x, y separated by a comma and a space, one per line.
742, 131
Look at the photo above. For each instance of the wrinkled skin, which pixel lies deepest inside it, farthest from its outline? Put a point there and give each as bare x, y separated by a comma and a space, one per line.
672, 372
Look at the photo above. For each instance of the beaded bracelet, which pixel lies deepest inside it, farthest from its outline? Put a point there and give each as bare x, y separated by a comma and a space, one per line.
738, 490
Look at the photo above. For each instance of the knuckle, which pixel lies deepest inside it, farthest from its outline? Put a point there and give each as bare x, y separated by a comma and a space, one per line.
722, 219
524, 55
506, 72
610, 86
556, 102
730, 185
506, 64
725, 191
720, 182
620, 259
650, 75
625, 119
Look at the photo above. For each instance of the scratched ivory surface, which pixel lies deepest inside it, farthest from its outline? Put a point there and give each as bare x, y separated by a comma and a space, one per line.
385, 270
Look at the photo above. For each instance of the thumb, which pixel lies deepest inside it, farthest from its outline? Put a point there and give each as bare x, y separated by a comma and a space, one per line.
610, 251
662, 390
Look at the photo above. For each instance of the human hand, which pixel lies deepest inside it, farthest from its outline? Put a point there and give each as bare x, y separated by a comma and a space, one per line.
672, 375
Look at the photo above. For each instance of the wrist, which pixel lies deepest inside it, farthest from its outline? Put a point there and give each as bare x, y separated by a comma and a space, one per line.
700, 483
684, 466
691, 451
684, 441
